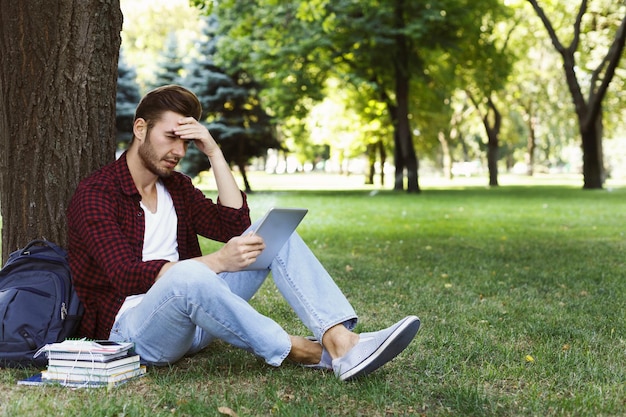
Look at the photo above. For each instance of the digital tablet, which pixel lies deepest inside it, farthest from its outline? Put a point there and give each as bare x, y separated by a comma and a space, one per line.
275, 227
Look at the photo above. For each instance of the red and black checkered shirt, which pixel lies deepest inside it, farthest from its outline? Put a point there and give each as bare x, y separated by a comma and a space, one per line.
105, 238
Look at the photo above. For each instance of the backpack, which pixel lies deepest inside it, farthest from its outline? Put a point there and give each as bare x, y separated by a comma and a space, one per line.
38, 303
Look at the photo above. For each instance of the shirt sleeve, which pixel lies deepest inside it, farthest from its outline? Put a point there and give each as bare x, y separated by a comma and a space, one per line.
213, 220
111, 236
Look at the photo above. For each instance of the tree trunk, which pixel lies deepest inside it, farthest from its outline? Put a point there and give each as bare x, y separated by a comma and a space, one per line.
531, 140
383, 159
593, 161
589, 124
531, 146
492, 160
403, 138
446, 155
493, 142
373, 150
589, 112
57, 109
242, 169
371, 163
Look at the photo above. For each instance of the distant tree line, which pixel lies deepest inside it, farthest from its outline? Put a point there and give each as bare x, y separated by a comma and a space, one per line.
448, 80
454, 81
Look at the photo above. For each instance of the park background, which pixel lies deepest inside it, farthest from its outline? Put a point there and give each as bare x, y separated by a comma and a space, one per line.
396, 88
519, 285
340, 127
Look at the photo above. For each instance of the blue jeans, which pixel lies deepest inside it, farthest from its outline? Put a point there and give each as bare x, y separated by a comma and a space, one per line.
190, 305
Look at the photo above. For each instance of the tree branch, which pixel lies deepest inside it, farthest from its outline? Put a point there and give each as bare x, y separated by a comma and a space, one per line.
497, 117
546, 22
569, 61
579, 17
611, 61
475, 103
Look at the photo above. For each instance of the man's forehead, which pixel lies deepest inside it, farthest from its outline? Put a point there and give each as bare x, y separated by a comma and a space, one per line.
168, 120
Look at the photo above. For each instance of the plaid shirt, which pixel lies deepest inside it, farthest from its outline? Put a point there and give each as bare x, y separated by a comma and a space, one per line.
105, 238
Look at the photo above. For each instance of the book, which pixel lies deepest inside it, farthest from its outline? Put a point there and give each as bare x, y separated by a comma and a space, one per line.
37, 380
101, 347
84, 363
72, 370
86, 356
108, 363
101, 379
87, 350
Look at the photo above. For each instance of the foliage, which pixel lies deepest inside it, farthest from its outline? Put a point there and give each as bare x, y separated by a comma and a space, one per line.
377, 48
231, 107
548, 129
267, 39
338, 133
127, 99
148, 26
293, 48
170, 67
521, 304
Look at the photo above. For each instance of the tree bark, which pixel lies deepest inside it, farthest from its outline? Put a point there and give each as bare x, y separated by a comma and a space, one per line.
492, 128
446, 155
403, 138
371, 163
593, 159
383, 159
493, 141
58, 69
531, 141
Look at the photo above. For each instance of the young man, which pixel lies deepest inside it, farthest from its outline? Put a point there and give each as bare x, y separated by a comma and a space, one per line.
138, 268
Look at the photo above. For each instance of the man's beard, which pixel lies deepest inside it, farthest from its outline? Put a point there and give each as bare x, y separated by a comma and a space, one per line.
151, 160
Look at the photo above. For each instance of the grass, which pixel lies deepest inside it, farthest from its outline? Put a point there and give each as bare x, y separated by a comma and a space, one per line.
520, 290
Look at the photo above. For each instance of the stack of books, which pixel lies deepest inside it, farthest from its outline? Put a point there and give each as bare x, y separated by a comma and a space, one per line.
83, 363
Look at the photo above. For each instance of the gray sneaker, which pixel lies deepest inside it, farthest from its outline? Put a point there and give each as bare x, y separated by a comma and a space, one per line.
376, 349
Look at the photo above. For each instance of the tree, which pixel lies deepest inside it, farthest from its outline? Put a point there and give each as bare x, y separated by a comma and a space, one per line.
231, 106
58, 69
240, 124
127, 99
538, 95
609, 19
297, 46
148, 27
484, 67
169, 63
331, 125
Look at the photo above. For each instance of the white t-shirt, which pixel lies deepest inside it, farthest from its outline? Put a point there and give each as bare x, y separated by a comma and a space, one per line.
159, 241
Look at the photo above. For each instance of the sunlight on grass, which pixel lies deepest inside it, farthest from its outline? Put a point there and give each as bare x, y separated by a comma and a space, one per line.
262, 181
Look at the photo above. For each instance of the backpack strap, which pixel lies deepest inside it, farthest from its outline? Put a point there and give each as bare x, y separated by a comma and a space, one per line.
43, 242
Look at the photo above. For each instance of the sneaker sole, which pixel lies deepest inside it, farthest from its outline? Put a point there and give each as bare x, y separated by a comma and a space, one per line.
389, 349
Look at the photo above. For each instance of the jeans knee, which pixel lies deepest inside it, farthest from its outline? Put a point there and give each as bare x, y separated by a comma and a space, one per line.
188, 274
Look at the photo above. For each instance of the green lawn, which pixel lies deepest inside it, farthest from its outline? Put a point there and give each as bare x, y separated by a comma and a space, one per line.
521, 293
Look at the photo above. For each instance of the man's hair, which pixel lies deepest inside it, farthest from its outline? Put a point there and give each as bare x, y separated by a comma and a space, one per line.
168, 98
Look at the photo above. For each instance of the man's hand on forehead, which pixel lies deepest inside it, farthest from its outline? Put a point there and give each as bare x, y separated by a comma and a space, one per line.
190, 129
